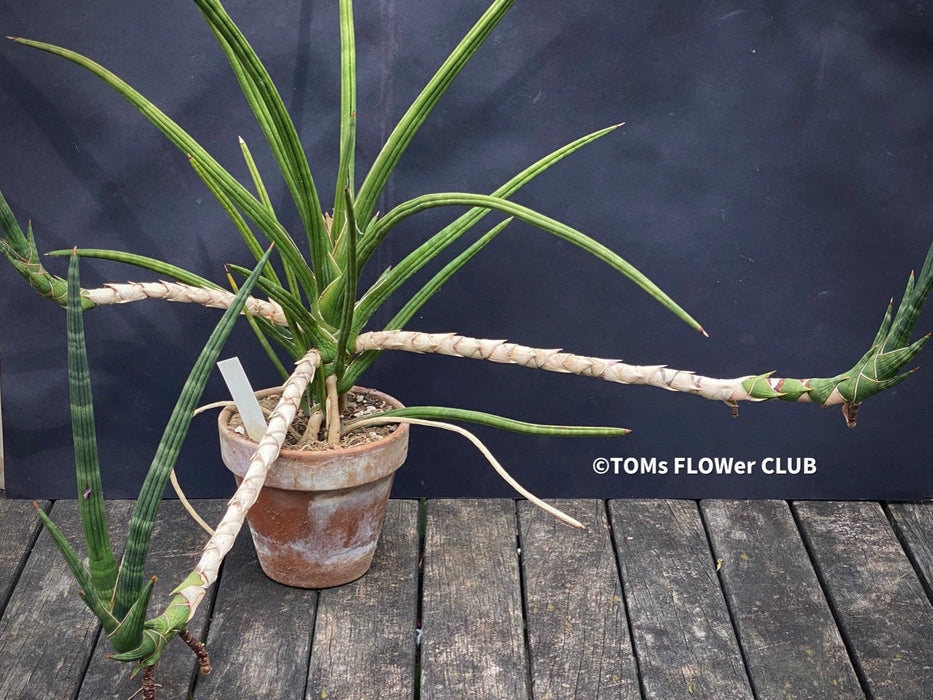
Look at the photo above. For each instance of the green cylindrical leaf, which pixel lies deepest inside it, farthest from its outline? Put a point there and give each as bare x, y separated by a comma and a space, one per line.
362, 362
101, 561
150, 496
412, 120
349, 289
129, 633
442, 413
146, 263
276, 123
346, 169
395, 277
545, 223
86, 588
224, 181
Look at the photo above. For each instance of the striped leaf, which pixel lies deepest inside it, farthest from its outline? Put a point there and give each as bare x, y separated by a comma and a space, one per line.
412, 120
444, 413
545, 223
102, 563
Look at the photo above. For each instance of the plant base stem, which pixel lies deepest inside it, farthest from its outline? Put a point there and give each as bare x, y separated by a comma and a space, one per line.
197, 646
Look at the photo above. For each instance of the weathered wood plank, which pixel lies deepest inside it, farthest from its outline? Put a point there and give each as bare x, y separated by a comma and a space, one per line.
684, 640
365, 632
882, 609
260, 632
174, 549
20, 527
915, 523
578, 635
791, 644
47, 633
473, 643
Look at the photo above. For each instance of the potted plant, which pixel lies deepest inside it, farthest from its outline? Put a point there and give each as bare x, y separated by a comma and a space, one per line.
316, 309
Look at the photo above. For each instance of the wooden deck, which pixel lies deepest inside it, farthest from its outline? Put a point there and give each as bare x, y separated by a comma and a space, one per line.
495, 599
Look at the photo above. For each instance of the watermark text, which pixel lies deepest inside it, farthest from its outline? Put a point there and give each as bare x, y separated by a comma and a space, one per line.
705, 466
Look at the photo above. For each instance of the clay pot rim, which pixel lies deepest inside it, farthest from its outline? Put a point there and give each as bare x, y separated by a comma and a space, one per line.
398, 433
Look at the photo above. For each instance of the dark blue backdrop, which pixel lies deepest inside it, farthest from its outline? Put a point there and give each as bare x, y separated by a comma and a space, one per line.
774, 176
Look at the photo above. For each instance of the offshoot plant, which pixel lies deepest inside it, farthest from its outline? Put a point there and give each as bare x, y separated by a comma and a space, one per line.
317, 313
118, 595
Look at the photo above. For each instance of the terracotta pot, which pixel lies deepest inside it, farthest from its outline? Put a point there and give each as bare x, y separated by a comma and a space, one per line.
319, 514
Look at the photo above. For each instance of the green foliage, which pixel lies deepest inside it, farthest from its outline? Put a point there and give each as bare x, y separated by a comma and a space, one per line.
440, 413
117, 594
881, 368
318, 291
317, 287
20, 249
